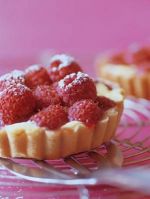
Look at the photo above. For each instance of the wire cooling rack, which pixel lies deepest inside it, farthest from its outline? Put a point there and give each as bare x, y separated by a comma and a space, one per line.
115, 169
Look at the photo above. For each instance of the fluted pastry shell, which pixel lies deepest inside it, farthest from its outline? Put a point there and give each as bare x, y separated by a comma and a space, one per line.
129, 77
27, 140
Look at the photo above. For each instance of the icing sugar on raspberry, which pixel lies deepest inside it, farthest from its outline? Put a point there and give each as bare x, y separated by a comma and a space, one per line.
65, 60
33, 68
13, 76
77, 79
17, 90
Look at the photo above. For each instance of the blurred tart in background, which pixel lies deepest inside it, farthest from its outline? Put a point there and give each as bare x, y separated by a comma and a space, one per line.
129, 68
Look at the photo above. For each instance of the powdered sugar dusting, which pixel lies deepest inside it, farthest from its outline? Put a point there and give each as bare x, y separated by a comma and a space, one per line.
16, 74
33, 68
11, 78
80, 77
77, 78
64, 59
17, 89
61, 83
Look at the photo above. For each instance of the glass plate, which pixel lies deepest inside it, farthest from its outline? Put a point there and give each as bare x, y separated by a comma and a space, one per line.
133, 138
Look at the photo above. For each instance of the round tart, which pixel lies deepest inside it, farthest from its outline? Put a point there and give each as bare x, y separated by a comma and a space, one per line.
51, 118
130, 68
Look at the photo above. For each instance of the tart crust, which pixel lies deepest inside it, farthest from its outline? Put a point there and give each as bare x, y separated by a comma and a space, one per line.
129, 77
27, 140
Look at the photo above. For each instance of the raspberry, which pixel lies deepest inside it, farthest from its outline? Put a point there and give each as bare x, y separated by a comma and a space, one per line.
54, 85
36, 75
104, 103
141, 55
16, 104
62, 65
75, 87
11, 78
85, 111
51, 117
118, 58
45, 95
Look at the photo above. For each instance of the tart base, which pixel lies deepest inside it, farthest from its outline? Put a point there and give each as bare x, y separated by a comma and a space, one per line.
134, 83
27, 140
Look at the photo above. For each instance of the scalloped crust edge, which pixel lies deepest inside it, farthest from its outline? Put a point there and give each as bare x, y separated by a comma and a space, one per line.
27, 140
133, 84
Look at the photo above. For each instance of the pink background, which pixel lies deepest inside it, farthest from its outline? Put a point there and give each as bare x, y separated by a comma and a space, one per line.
81, 27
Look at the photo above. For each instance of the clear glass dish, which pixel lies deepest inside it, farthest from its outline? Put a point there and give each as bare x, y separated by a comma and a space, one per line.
133, 139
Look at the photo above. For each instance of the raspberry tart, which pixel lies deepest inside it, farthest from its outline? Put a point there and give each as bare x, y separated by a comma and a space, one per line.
48, 113
130, 68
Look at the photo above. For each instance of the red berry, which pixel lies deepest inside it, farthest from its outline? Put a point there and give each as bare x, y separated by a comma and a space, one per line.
11, 78
45, 95
62, 65
16, 104
104, 103
85, 111
141, 56
36, 75
54, 85
118, 58
75, 87
51, 117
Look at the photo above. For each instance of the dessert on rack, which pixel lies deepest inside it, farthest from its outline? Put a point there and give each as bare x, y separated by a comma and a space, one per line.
130, 68
50, 112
